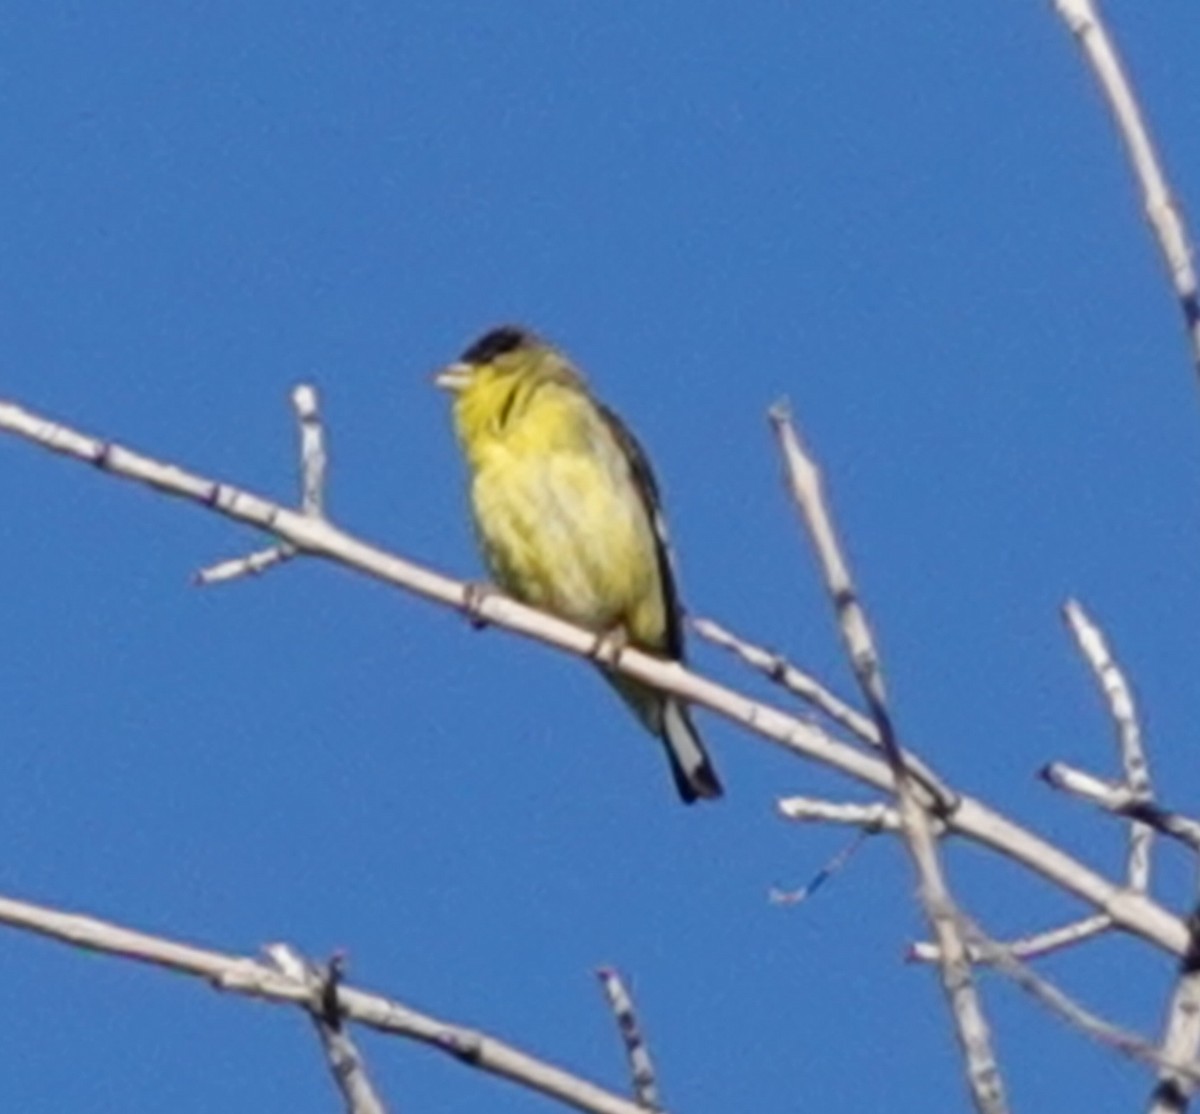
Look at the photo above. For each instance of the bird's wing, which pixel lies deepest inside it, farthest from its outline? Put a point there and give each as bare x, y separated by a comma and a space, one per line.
647, 486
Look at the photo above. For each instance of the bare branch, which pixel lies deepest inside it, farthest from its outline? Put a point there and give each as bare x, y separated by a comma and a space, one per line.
313, 465
1027, 947
1120, 801
983, 1071
249, 977
1133, 798
778, 669
253, 564
641, 1067
807, 491
314, 460
1175, 1089
1135, 913
874, 817
1090, 1024
1083, 19
830, 870
346, 1064
1179, 1072
1058, 775
1094, 647
1181, 1039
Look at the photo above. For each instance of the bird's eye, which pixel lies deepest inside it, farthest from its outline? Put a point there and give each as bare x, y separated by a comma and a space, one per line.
495, 342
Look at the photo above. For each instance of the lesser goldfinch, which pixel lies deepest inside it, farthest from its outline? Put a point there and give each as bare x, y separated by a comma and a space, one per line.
567, 515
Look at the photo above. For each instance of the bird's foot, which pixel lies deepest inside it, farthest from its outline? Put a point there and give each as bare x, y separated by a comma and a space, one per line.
609, 645
475, 594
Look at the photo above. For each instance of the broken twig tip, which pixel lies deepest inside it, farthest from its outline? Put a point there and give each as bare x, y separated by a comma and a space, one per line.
304, 399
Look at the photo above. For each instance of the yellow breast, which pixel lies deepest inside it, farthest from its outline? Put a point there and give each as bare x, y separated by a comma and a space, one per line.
562, 523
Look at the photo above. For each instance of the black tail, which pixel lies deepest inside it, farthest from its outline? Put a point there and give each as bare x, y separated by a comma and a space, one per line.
691, 767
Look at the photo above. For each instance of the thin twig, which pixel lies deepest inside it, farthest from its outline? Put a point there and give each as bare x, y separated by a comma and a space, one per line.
346, 1064
982, 1069
254, 979
830, 870
1120, 801
970, 817
1027, 947
778, 669
1094, 647
873, 817
1176, 1060
314, 462
1090, 1024
1109, 796
1083, 19
253, 564
641, 1067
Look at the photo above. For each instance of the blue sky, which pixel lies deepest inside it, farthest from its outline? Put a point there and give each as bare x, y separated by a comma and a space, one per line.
913, 220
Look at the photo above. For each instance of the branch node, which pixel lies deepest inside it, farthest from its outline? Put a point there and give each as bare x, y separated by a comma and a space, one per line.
464, 1044
475, 594
637, 1052
330, 979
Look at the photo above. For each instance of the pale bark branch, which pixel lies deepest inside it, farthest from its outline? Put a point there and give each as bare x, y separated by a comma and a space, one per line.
314, 462
782, 672
1120, 801
346, 1064
984, 1080
1094, 647
255, 979
1133, 798
1009, 960
790, 677
970, 817
1181, 1039
1083, 19
637, 1051
1033, 946
1090, 1024
873, 817
314, 459
252, 564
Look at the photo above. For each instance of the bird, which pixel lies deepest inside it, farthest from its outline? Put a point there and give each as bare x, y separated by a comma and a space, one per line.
568, 518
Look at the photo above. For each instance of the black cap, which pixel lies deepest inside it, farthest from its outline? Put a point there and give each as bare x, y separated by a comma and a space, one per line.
497, 342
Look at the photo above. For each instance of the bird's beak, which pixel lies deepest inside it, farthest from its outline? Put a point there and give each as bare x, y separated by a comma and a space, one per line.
453, 377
